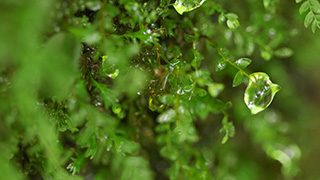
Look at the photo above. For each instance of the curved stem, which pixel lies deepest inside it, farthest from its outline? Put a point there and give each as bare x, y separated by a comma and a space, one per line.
228, 61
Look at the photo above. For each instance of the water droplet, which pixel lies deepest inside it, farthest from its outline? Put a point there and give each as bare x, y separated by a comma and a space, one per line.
260, 92
180, 91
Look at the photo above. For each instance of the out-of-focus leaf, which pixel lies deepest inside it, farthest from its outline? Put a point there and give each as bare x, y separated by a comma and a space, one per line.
283, 52
265, 54
167, 116
215, 88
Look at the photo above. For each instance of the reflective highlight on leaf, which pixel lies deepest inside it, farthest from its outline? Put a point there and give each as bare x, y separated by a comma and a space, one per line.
243, 62
260, 92
182, 6
221, 64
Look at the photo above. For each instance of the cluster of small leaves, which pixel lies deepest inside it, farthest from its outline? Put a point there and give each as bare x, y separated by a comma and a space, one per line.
267, 35
312, 7
232, 20
118, 89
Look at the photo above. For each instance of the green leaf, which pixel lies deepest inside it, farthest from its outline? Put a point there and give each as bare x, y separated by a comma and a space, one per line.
167, 99
195, 63
231, 16
221, 18
215, 89
226, 53
283, 52
76, 165
93, 5
221, 65
228, 129
314, 26
190, 38
182, 6
315, 9
308, 19
167, 116
238, 79
304, 7
174, 170
233, 23
249, 47
298, 1
260, 92
200, 92
266, 3
266, 55
169, 152
243, 62
315, 3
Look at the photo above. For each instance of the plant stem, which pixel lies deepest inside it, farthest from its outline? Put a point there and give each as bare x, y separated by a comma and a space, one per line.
228, 61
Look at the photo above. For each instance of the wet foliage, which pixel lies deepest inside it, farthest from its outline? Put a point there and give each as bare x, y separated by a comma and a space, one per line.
123, 89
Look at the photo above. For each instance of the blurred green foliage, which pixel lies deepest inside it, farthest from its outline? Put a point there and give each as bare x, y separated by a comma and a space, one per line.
125, 89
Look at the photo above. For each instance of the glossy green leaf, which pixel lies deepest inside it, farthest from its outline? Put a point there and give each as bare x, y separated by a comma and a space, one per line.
182, 6
298, 1
226, 54
260, 92
243, 62
308, 19
233, 23
304, 7
238, 79
221, 65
